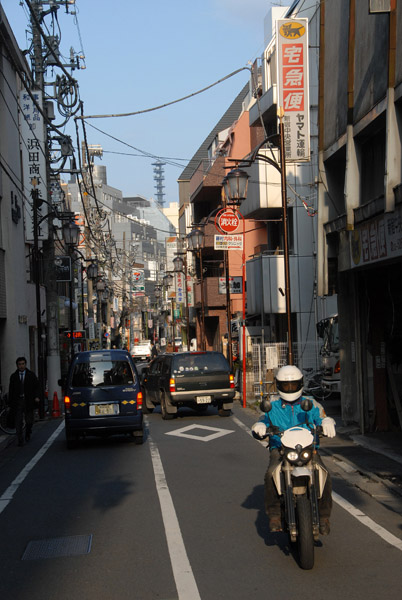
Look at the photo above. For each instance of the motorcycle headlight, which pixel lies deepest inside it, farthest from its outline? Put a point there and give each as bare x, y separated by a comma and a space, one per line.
292, 455
305, 455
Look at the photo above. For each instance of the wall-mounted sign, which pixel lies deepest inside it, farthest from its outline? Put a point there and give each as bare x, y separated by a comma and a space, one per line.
293, 86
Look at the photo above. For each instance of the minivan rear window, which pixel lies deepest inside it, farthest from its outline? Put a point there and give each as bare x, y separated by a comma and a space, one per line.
211, 363
104, 372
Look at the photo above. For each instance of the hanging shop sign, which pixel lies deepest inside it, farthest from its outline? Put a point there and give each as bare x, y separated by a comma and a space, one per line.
235, 285
293, 86
62, 265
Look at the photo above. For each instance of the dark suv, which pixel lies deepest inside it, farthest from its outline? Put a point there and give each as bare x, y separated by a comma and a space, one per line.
102, 396
195, 379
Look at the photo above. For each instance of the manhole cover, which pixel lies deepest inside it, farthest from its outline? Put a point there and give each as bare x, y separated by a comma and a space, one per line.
63, 546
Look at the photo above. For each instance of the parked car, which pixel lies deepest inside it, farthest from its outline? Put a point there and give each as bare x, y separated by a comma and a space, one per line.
102, 396
195, 379
142, 350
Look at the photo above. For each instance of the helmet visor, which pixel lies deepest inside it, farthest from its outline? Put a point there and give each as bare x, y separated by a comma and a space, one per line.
289, 387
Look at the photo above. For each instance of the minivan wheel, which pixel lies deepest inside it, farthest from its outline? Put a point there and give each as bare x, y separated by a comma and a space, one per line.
165, 415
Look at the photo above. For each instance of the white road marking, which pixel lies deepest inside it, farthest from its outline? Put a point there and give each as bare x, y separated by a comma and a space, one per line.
183, 575
365, 520
355, 512
8, 495
184, 432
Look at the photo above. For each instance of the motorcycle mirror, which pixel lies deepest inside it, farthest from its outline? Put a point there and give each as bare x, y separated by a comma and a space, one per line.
265, 405
306, 404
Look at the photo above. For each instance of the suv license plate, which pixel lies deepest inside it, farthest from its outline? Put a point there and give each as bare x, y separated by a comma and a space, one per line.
103, 409
203, 399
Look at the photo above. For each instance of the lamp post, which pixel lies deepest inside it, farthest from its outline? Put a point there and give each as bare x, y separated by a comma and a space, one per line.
167, 280
195, 244
157, 295
180, 266
71, 233
235, 186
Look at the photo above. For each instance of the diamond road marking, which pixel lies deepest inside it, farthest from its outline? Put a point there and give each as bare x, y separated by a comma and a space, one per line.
202, 438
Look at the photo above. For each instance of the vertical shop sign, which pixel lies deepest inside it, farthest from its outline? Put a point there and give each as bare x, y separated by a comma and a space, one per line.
293, 86
34, 160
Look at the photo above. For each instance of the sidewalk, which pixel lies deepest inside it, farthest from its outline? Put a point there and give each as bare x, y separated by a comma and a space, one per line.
366, 460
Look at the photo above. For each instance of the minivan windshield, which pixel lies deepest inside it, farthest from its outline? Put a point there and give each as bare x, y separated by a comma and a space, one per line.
208, 362
94, 373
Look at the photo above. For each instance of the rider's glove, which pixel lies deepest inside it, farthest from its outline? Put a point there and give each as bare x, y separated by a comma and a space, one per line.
328, 427
259, 430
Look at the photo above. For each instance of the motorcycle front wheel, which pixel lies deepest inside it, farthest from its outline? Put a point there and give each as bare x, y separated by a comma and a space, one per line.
305, 539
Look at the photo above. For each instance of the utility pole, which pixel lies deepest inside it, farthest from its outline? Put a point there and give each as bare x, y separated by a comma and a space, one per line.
40, 49
53, 352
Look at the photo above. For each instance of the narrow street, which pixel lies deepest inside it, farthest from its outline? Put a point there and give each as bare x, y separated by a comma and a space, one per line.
179, 517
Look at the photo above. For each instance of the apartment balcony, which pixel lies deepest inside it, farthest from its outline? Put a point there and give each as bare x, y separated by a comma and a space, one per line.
207, 179
266, 107
264, 188
266, 284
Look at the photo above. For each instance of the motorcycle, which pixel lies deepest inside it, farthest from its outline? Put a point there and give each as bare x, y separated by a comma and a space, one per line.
299, 479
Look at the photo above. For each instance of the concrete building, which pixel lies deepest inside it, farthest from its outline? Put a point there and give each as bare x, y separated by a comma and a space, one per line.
360, 209
18, 318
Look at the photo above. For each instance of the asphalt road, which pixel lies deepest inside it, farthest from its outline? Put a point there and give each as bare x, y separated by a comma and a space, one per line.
179, 517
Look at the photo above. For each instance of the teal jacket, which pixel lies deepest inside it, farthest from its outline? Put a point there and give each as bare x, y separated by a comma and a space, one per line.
289, 414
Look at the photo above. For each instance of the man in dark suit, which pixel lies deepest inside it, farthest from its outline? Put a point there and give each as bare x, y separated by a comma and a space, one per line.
23, 394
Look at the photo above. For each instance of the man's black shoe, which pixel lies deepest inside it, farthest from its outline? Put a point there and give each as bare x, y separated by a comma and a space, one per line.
20, 442
27, 436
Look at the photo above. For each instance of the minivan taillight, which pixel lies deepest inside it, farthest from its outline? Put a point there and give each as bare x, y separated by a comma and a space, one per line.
172, 384
139, 401
337, 368
231, 381
67, 404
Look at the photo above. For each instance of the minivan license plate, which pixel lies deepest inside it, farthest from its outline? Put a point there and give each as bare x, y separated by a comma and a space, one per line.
203, 399
103, 409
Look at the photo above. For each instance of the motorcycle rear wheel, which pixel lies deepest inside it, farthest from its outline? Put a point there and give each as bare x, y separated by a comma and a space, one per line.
305, 539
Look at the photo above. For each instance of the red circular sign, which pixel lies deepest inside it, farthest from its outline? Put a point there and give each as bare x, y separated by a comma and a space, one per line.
228, 221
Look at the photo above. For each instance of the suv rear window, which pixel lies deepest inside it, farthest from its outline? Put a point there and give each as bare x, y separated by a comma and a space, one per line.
212, 363
101, 371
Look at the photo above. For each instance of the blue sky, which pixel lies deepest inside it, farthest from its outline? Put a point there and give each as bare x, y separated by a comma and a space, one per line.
141, 54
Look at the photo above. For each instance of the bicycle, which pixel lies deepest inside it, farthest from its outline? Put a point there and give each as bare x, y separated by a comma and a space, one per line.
314, 386
5, 416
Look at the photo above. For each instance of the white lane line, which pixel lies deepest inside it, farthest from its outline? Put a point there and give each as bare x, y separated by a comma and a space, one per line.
365, 520
355, 512
182, 572
8, 495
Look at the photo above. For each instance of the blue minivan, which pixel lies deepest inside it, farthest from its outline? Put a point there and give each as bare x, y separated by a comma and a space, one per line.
102, 396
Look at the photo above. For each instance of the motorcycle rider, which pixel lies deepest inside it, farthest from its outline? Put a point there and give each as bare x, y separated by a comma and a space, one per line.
286, 412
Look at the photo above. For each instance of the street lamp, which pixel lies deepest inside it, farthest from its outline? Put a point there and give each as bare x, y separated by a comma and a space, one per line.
235, 185
71, 234
195, 244
180, 266
167, 281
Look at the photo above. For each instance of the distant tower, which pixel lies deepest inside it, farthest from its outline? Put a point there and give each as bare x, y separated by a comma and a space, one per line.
159, 178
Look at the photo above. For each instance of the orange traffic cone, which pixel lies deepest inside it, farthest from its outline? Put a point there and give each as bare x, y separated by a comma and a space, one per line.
56, 406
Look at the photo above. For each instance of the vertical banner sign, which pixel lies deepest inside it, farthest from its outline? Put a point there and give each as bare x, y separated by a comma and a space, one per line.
138, 283
32, 129
293, 86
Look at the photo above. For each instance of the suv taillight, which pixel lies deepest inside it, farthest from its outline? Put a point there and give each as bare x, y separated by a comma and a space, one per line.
231, 381
67, 404
337, 368
172, 384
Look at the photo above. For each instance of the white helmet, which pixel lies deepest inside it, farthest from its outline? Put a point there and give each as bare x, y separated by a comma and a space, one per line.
289, 382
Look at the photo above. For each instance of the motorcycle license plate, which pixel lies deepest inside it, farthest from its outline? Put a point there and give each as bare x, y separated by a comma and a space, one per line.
203, 399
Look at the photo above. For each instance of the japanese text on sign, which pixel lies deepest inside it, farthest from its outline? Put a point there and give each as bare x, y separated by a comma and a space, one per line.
293, 90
